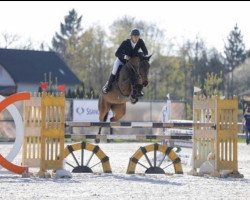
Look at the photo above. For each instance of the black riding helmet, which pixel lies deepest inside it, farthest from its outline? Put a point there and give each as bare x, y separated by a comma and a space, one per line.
135, 32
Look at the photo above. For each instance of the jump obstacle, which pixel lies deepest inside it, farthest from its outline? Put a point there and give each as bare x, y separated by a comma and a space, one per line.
137, 124
131, 125
44, 132
214, 137
215, 132
7, 103
215, 147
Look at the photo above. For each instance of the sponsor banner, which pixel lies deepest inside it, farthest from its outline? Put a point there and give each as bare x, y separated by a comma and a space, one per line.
86, 111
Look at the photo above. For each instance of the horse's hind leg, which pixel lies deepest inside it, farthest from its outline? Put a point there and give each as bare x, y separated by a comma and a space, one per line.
104, 119
104, 108
119, 111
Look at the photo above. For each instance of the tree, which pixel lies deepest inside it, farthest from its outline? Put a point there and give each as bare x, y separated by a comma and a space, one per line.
91, 59
235, 55
120, 29
165, 77
69, 31
8, 40
212, 84
153, 36
209, 62
242, 77
201, 62
186, 55
199, 55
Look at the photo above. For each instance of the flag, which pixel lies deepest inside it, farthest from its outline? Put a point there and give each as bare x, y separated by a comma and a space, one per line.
196, 89
61, 87
44, 85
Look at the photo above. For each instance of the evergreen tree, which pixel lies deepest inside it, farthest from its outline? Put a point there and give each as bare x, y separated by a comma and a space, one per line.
235, 55
69, 31
235, 49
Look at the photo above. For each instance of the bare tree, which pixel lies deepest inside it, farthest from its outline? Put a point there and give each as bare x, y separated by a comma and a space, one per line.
9, 39
26, 45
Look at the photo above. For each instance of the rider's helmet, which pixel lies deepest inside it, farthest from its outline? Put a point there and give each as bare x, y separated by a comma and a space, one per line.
135, 32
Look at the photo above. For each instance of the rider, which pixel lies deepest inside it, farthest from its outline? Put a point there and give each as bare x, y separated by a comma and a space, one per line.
126, 50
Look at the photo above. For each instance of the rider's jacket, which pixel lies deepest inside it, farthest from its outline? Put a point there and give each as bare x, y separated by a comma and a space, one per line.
126, 49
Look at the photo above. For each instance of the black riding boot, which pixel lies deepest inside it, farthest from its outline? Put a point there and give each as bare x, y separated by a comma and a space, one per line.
108, 85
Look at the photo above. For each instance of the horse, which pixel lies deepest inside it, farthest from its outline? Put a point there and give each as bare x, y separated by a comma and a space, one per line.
134, 72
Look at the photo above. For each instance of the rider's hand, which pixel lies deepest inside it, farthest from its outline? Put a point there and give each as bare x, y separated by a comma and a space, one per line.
126, 57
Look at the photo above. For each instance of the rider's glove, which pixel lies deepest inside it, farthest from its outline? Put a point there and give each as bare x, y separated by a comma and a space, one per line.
126, 57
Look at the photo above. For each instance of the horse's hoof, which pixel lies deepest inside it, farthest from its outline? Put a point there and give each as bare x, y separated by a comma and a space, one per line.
97, 140
134, 100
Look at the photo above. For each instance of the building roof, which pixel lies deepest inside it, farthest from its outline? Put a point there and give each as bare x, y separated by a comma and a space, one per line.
29, 66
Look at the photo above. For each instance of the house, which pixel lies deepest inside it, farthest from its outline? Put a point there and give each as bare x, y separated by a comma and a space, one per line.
24, 70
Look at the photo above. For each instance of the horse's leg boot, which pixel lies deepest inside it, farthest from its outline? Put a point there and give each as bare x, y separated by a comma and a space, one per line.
137, 91
107, 87
140, 92
134, 94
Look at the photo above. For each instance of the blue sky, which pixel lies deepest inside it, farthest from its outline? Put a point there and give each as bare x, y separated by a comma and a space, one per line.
212, 21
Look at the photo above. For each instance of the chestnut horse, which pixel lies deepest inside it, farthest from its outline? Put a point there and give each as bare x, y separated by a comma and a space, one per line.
135, 70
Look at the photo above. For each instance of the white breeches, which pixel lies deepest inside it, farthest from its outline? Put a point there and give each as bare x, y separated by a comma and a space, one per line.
116, 65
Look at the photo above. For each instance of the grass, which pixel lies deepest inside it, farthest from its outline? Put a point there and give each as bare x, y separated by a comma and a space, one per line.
241, 140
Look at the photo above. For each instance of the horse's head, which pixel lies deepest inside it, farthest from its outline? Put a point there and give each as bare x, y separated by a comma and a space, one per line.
138, 67
141, 67
144, 69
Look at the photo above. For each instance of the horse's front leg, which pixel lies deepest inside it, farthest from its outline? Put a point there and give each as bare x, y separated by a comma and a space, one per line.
103, 107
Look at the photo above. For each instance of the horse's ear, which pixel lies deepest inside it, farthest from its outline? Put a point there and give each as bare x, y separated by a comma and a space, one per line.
140, 55
147, 57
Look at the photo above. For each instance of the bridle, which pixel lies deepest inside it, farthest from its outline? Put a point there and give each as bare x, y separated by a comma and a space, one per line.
136, 70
